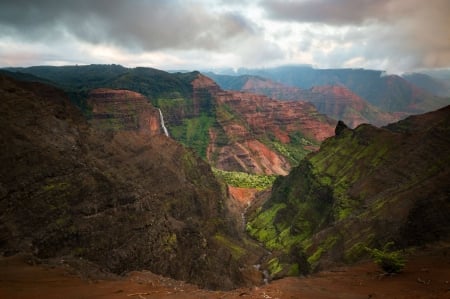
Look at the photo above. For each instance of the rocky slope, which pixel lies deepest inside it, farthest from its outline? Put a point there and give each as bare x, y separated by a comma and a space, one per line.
119, 194
256, 134
340, 103
336, 101
364, 187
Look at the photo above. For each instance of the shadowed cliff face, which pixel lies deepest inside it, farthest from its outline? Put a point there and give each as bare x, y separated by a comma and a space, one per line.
364, 187
256, 134
125, 198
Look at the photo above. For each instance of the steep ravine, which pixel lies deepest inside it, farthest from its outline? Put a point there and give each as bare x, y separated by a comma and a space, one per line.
364, 188
114, 192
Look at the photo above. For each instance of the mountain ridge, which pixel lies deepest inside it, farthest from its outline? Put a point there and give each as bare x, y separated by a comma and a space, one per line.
197, 114
390, 93
365, 187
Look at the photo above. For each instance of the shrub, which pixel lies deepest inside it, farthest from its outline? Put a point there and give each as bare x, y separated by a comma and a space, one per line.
391, 261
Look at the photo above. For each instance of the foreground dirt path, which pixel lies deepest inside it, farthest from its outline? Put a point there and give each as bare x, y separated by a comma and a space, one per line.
427, 275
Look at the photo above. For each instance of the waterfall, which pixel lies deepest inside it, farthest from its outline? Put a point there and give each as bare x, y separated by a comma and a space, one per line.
162, 123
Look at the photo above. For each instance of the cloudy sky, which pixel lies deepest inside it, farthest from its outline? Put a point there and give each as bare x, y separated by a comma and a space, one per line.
392, 35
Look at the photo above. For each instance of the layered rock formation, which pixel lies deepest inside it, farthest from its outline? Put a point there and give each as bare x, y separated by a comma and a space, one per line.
335, 101
123, 110
253, 132
125, 199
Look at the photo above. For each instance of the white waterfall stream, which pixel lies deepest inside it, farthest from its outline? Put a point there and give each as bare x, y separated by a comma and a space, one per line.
166, 132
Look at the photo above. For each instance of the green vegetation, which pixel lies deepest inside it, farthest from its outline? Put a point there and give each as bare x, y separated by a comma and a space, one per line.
245, 180
194, 133
300, 206
56, 186
170, 241
390, 261
77, 81
274, 266
294, 151
263, 227
324, 247
236, 250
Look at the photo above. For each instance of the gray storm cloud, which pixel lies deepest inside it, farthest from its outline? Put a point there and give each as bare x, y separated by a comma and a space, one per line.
148, 25
414, 31
397, 34
333, 12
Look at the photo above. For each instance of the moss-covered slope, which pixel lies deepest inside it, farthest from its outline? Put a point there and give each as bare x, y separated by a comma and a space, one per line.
364, 187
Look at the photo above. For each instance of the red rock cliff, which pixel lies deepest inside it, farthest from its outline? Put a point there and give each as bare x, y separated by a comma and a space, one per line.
124, 110
253, 124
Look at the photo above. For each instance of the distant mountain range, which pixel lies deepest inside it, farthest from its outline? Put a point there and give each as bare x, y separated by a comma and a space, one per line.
336, 101
389, 93
434, 85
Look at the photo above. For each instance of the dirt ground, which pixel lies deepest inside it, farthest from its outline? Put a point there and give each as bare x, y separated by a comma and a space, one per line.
427, 275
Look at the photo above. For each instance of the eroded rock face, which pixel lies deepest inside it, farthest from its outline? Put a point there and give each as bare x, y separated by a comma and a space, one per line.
340, 102
125, 199
336, 101
123, 110
257, 129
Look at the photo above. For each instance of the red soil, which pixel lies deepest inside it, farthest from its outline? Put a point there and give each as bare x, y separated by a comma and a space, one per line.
427, 275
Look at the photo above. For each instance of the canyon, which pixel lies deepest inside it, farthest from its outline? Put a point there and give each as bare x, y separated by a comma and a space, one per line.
113, 192
148, 167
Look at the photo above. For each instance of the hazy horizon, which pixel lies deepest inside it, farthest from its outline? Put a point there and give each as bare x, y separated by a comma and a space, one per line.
388, 35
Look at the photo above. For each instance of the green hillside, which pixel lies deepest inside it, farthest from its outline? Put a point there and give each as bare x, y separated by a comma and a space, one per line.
365, 187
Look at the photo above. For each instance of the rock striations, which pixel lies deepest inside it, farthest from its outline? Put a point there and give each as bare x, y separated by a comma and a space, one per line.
123, 110
253, 133
336, 101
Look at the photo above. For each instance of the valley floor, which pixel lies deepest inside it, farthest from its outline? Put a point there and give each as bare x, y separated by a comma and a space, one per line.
427, 275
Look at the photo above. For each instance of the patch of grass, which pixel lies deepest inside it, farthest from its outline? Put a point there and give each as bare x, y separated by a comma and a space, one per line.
194, 133
245, 180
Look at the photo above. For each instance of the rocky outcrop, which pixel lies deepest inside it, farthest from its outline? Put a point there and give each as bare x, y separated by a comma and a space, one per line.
125, 198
